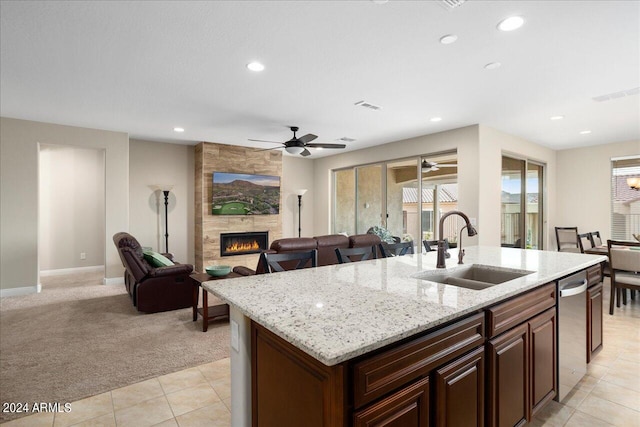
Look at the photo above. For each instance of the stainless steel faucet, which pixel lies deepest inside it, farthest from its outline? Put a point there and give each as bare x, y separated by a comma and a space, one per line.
471, 231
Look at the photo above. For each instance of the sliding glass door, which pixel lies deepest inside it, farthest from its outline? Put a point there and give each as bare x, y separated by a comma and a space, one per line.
521, 203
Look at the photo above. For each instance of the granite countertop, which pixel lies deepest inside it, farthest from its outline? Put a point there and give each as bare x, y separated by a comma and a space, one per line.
338, 312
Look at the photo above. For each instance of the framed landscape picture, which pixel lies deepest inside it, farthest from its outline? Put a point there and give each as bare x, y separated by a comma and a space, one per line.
245, 194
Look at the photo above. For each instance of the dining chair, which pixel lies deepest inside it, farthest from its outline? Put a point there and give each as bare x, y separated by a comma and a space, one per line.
567, 239
624, 261
596, 240
432, 245
585, 241
389, 250
356, 254
287, 261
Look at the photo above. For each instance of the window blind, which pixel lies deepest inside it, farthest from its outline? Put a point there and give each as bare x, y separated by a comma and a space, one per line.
625, 209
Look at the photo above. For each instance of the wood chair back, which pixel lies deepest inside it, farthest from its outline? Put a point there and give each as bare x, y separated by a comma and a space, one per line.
289, 260
567, 239
586, 241
356, 254
624, 264
396, 249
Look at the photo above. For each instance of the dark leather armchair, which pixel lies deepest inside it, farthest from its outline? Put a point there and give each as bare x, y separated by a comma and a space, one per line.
153, 289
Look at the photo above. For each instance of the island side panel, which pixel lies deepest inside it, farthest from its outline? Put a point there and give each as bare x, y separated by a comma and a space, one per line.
292, 389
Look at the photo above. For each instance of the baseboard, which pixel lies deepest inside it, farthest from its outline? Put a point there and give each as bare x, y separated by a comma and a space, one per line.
113, 281
25, 290
75, 270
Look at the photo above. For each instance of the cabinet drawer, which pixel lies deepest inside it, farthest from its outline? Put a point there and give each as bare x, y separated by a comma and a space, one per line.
378, 375
511, 313
594, 274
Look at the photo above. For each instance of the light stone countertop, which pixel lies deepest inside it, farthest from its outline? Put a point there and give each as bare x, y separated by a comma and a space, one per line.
338, 312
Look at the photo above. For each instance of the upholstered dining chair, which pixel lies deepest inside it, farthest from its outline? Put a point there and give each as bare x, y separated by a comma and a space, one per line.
356, 254
567, 239
396, 249
585, 241
289, 260
624, 261
596, 240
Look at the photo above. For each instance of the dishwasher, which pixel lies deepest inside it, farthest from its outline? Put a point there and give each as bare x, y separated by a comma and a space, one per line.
572, 332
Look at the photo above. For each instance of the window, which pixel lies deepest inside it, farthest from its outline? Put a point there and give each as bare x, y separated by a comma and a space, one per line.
625, 209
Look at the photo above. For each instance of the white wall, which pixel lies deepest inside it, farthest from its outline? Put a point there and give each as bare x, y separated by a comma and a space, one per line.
152, 163
297, 173
71, 197
19, 140
584, 186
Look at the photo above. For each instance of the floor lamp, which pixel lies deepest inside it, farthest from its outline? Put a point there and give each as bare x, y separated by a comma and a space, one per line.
300, 193
166, 189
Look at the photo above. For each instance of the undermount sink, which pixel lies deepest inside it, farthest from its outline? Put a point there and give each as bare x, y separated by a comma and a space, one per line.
475, 276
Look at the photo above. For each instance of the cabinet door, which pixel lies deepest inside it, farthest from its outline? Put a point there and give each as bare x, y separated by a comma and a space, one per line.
408, 407
594, 320
460, 391
508, 357
543, 359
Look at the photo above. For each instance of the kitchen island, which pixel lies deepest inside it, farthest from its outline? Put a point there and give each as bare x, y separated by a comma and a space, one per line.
335, 317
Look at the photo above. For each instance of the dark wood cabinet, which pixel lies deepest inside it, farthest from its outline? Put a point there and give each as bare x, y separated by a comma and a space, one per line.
459, 391
594, 320
508, 377
408, 407
522, 370
543, 355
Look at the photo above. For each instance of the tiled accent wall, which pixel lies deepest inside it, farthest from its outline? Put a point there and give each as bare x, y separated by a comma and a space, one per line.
209, 158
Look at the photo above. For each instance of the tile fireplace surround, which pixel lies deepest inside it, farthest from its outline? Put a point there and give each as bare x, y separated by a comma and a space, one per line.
209, 158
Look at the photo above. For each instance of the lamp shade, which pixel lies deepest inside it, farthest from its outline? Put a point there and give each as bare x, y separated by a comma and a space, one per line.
163, 187
634, 183
301, 192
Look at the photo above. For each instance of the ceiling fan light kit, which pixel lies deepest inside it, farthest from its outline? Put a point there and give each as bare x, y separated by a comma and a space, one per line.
299, 145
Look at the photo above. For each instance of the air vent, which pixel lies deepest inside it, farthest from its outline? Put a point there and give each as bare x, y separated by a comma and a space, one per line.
368, 105
346, 139
451, 4
616, 95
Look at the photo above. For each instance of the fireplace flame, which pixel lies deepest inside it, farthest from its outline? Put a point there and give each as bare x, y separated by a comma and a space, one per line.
243, 246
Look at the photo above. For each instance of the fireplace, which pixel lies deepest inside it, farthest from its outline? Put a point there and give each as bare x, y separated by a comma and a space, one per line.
243, 243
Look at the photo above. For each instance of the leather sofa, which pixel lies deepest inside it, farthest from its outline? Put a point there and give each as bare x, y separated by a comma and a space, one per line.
153, 289
326, 246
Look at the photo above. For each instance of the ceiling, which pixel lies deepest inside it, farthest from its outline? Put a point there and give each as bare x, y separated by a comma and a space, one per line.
146, 67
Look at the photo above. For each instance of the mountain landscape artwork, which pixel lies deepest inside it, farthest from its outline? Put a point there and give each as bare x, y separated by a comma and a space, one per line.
245, 194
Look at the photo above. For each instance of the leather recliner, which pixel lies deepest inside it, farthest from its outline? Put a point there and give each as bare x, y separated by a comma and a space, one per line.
153, 289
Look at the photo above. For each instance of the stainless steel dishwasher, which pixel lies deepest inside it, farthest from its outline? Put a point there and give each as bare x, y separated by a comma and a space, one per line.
572, 331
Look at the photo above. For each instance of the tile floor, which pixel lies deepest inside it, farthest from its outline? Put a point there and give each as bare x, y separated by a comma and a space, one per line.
608, 395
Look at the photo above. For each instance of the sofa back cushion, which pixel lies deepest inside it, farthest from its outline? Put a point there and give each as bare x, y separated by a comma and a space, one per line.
294, 244
327, 248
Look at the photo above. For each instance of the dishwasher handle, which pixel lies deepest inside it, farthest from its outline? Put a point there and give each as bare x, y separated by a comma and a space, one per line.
571, 289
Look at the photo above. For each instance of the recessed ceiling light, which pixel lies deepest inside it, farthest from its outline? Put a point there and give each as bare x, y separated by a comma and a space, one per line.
448, 39
178, 129
379, 1
435, 119
585, 132
556, 117
511, 23
255, 66
492, 65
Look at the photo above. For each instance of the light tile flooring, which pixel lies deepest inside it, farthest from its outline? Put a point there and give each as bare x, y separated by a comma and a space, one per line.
200, 396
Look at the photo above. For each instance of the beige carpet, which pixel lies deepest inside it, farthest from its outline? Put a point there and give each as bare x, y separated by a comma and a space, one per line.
78, 338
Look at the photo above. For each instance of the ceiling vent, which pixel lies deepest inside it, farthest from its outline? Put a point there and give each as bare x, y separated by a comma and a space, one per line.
346, 139
368, 105
452, 4
616, 95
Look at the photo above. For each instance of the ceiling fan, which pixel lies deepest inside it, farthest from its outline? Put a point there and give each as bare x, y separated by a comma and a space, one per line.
299, 145
428, 166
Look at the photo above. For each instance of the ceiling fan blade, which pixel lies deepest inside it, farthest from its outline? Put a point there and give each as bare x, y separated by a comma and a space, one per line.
447, 166
307, 138
321, 145
262, 140
268, 149
305, 153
